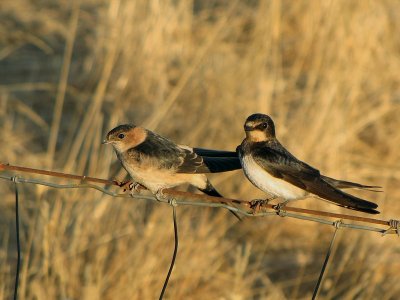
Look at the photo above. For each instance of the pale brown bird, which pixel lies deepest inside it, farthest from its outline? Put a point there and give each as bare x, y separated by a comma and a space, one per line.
271, 168
158, 163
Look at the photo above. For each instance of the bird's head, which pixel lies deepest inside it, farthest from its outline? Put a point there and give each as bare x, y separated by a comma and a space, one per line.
124, 137
259, 128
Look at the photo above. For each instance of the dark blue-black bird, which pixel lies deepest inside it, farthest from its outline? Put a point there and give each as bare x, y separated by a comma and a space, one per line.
274, 170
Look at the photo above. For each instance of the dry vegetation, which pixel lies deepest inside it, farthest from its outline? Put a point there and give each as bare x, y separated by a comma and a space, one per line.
326, 71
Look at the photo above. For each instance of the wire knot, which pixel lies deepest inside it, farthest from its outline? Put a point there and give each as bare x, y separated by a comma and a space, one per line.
337, 224
394, 225
83, 179
172, 202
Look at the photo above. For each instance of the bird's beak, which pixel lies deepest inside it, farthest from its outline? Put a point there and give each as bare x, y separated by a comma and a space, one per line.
248, 128
104, 142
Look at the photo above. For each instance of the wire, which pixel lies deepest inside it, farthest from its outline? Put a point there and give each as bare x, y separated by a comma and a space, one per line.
84, 179
202, 201
174, 254
18, 241
275, 210
328, 254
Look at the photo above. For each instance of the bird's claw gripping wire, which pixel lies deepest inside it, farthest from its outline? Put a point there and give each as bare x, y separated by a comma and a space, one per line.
257, 204
131, 186
125, 185
394, 225
160, 196
136, 186
279, 208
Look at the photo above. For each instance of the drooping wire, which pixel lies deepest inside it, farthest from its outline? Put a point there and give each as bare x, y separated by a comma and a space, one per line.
328, 254
173, 255
18, 241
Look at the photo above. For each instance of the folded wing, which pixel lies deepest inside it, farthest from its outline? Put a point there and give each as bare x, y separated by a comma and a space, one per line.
281, 164
199, 160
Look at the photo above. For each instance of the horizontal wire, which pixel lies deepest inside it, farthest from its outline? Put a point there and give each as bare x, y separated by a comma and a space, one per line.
291, 212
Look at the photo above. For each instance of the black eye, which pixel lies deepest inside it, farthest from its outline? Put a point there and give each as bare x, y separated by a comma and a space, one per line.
121, 136
264, 125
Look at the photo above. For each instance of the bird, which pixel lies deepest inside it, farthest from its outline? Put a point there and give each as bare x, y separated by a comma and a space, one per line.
274, 170
157, 163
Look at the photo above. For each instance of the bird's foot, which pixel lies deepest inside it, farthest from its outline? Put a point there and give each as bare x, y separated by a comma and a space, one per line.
280, 208
131, 186
162, 197
137, 187
126, 185
256, 204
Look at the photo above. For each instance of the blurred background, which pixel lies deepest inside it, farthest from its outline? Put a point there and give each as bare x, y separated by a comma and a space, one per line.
327, 72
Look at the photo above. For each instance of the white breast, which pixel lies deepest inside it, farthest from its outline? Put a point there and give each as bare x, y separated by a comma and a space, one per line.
268, 183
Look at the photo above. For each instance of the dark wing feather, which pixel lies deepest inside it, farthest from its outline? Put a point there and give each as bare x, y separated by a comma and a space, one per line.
281, 164
185, 159
222, 164
193, 163
215, 153
219, 160
162, 151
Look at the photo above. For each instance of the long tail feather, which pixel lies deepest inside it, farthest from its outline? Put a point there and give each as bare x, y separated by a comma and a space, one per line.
342, 184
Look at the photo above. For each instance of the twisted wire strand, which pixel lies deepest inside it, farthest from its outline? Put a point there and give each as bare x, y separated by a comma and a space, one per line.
241, 206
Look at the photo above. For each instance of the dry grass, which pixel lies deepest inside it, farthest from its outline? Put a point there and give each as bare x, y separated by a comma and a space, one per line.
327, 72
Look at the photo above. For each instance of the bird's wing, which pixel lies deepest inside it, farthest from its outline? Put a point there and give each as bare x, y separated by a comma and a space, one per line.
182, 159
221, 164
215, 153
219, 160
281, 164
193, 161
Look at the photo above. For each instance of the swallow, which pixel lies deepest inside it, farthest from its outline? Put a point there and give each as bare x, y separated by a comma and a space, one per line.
274, 170
157, 163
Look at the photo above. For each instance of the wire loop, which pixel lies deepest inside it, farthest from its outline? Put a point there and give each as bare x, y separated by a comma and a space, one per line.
394, 225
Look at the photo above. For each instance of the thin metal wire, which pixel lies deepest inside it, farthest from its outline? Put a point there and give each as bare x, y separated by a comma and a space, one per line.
85, 179
394, 225
15, 179
214, 202
56, 174
241, 206
174, 254
328, 254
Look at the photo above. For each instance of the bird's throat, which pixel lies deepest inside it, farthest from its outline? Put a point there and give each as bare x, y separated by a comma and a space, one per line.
256, 136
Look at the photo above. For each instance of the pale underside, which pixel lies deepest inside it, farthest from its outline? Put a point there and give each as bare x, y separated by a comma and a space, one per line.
154, 178
268, 183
